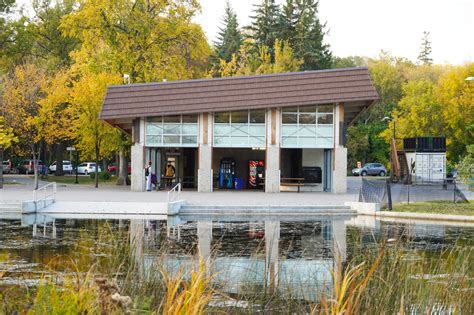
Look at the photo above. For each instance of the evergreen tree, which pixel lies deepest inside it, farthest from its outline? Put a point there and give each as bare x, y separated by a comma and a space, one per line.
287, 21
264, 27
229, 38
425, 54
309, 42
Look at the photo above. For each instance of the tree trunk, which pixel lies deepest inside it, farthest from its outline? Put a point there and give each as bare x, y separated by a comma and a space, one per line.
122, 168
96, 165
1, 168
35, 166
59, 159
104, 164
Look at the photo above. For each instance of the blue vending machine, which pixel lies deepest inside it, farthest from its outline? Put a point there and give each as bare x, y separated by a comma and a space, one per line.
227, 174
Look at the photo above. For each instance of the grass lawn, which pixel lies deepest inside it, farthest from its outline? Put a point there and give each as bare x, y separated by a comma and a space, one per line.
438, 207
83, 180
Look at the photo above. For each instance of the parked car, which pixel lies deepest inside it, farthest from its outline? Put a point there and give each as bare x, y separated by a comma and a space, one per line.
87, 168
28, 166
67, 167
112, 168
373, 169
6, 167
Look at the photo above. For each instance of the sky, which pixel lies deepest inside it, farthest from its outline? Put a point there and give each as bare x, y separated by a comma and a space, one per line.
365, 27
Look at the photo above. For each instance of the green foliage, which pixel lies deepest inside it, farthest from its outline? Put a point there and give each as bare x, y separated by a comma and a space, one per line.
465, 167
349, 62
365, 145
229, 38
264, 26
104, 175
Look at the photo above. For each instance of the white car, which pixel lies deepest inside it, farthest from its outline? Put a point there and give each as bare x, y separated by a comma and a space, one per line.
87, 168
67, 167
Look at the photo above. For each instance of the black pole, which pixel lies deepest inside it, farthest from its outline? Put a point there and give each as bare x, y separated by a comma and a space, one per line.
77, 164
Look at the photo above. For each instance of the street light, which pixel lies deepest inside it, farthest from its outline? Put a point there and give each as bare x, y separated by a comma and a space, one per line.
386, 118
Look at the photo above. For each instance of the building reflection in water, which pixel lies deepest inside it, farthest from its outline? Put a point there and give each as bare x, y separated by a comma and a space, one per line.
243, 254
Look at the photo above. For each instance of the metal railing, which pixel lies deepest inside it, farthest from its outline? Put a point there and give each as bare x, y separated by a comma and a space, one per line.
44, 193
174, 193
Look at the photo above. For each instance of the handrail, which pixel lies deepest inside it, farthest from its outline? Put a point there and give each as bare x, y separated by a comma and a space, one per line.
174, 193
45, 193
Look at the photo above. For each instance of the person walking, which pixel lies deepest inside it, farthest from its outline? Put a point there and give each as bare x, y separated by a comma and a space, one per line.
148, 176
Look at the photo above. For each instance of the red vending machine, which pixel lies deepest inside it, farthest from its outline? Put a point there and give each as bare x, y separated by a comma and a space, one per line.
256, 174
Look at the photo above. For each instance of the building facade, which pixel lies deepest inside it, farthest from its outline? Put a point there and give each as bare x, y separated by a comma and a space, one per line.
268, 132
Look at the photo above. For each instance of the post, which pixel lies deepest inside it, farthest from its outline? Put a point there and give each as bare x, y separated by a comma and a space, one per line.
77, 164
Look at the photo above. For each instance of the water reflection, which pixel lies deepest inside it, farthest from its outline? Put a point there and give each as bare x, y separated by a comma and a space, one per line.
243, 254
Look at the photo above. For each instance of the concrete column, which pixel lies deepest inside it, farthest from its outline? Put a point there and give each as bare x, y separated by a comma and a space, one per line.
138, 157
204, 233
272, 249
339, 180
272, 173
205, 153
137, 233
339, 240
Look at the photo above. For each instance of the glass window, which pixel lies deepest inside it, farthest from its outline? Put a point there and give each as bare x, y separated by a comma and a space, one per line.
153, 140
290, 109
221, 118
308, 109
257, 141
158, 119
325, 119
189, 119
257, 116
256, 130
240, 141
307, 118
289, 141
240, 117
189, 129
189, 139
289, 130
154, 128
171, 139
222, 130
173, 129
172, 119
290, 118
239, 130
325, 108
221, 140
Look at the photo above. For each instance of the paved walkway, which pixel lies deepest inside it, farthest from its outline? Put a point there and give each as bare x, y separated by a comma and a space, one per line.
23, 191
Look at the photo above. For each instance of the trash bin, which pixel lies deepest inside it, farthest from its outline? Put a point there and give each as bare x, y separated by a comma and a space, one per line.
239, 183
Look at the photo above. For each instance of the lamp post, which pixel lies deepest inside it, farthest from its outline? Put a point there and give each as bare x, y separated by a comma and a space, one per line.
386, 118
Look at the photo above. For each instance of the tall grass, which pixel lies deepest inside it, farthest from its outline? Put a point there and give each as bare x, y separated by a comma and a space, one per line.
377, 278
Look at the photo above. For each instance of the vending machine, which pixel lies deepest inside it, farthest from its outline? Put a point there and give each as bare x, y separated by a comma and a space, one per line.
256, 174
227, 173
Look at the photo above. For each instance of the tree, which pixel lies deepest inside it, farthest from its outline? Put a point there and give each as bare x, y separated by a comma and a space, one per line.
149, 40
22, 93
466, 165
264, 26
94, 138
349, 62
424, 56
229, 38
7, 137
6, 5
309, 37
287, 20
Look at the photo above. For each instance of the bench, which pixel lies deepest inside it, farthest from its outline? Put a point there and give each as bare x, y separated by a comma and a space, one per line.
296, 182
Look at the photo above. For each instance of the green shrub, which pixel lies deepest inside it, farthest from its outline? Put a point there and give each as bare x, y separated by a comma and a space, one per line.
104, 175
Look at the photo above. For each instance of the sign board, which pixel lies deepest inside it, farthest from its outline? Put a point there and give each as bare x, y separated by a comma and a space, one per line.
71, 149
359, 164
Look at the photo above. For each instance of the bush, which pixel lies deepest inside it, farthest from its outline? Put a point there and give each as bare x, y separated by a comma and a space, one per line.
104, 175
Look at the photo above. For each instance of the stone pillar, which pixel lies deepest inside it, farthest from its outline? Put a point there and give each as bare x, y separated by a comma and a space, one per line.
339, 180
339, 240
137, 233
272, 172
204, 233
272, 249
138, 155
205, 153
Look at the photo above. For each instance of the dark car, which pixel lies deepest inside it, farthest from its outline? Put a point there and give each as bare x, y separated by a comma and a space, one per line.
373, 169
28, 166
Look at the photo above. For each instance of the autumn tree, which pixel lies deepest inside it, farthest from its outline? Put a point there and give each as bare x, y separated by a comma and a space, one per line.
7, 138
22, 93
94, 138
424, 57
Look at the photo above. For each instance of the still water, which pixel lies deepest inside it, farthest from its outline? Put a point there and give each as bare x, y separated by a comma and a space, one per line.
247, 251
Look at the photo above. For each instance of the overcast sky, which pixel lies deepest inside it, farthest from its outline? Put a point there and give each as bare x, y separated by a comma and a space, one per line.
364, 27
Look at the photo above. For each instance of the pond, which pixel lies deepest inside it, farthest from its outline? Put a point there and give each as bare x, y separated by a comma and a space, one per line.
296, 257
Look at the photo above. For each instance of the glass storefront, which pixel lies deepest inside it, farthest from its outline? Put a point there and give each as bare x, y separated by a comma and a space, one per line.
240, 129
172, 131
308, 127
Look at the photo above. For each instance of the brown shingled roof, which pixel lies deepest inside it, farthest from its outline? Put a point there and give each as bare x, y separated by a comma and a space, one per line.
351, 85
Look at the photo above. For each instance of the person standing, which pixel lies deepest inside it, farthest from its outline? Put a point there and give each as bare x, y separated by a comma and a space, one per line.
148, 176
169, 174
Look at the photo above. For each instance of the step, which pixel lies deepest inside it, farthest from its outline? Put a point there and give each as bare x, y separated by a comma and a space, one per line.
264, 207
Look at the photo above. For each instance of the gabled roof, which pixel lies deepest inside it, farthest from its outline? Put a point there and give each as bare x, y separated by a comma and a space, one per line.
348, 86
